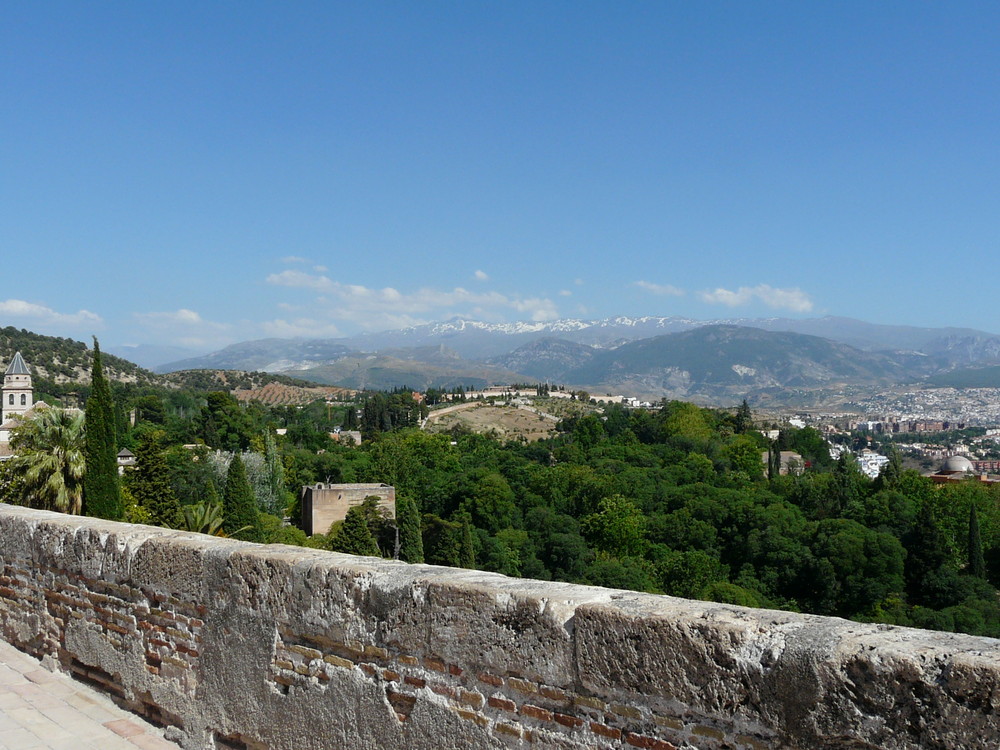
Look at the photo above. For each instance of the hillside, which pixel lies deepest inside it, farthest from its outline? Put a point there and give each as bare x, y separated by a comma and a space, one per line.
272, 355
406, 368
716, 362
61, 366
646, 356
280, 394
547, 359
61, 361
478, 340
265, 387
216, 380
973, 377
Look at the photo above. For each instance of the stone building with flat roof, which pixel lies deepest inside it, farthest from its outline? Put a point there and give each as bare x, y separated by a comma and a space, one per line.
325, 504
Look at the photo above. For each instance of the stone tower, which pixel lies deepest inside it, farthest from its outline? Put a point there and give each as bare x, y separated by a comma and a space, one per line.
18, 395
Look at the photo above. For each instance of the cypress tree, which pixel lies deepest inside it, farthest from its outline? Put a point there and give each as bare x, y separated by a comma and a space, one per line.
443, 541
211, 495
468, 552
773, 461
354, 537
351, 417
977, 565
891, 473
744, 419
240, 517
150, 484
926, 552
275, 476
411, 540
101, 491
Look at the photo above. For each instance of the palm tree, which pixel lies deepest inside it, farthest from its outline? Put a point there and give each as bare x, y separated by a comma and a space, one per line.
206, 518
49, 456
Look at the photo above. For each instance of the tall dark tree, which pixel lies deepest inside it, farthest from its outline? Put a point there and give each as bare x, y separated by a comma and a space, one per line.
240, 517
891, 473
411, 541
224, 424
150, 484
926, 552
351, 417
468, 553
443, 541
101, 492
354, 537
977, 564
773, 461
744, 419
847, 490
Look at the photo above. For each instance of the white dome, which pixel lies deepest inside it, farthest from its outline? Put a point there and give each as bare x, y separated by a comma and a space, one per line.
958, 463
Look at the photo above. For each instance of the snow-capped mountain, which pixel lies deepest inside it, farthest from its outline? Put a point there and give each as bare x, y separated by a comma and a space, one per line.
597, 352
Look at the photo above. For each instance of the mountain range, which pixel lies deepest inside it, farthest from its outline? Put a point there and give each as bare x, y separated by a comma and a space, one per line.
714, 361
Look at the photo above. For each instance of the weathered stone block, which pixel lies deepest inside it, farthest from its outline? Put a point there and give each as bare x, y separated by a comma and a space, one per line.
289, 648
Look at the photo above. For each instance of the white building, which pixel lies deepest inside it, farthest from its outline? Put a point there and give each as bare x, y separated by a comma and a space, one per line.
18, 395
872, 463
17, 398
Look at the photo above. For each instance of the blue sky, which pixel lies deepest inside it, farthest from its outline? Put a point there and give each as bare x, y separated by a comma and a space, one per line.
202, 173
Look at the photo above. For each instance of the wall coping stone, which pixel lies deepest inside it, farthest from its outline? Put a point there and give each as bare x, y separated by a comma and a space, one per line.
287, 647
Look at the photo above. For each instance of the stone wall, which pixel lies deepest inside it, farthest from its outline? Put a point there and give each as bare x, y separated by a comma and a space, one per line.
237, 645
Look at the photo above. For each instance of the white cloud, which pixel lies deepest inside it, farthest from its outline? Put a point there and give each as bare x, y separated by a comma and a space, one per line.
293, 259
185, 327
541, 310
182, 316
299, 328
320, 269
578, 282
481, 276
565, 293
785, 299
389, 307
664, 289
42, 315
300, 279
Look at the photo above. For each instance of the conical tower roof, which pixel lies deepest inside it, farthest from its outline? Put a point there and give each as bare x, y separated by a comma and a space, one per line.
17, 366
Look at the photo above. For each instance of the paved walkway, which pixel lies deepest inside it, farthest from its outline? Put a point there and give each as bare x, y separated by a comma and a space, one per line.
43, 710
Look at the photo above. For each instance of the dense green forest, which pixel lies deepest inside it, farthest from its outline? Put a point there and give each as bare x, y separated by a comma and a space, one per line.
673, 500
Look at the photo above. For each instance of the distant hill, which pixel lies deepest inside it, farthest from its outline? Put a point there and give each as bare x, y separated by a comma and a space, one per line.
272, 355
633, 354
150, 356
973, 377
282, 394
421, 368
725, 362
480, 341
64, 361
548, 359
965, 349
59, 365
227, 380
869, 336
